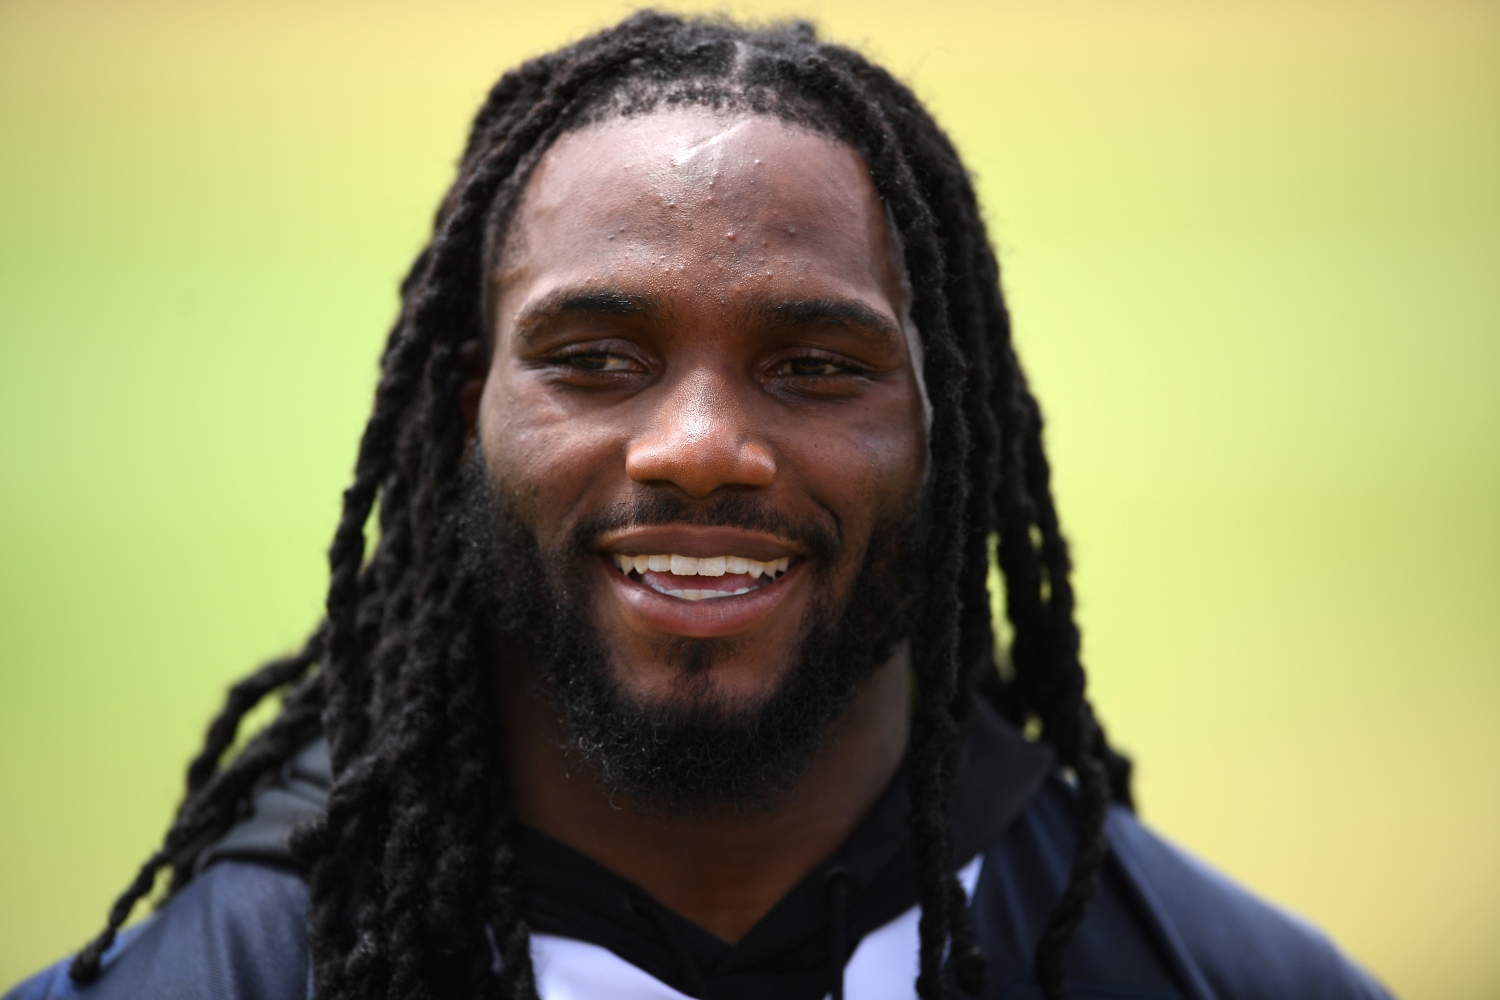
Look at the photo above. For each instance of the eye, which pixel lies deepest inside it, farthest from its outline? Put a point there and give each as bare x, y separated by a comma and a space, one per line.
598, 361
813, 366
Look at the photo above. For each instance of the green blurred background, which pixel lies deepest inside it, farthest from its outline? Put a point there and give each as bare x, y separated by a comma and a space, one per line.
1253, 250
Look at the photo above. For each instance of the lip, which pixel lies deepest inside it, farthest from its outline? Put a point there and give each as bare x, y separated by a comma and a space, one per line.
685, 540
707, 619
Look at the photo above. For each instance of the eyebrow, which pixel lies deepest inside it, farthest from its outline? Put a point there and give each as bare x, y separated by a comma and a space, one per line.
829, 312
570, 302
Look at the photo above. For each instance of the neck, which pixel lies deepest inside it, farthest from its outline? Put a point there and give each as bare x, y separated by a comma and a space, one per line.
722, 869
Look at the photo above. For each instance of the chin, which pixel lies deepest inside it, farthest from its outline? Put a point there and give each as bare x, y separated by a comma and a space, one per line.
726, 677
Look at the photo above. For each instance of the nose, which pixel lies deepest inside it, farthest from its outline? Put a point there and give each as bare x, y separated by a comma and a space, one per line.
699, 437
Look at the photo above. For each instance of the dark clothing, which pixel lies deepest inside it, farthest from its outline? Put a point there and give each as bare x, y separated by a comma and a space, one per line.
1162, 925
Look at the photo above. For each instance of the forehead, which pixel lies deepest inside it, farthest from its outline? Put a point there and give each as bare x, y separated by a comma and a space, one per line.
747, 197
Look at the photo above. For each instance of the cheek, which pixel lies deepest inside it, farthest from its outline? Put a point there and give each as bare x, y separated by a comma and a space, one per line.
541, 456
865, 473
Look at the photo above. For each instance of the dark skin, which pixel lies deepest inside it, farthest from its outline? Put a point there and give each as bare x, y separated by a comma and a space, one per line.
694, 303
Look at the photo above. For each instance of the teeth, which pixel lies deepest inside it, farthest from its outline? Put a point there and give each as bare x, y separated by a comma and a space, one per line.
704, 566
705, 595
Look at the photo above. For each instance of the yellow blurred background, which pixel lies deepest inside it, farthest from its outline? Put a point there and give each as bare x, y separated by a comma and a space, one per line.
1253, 251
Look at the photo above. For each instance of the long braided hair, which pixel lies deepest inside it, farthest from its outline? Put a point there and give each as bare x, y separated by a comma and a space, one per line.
412, 877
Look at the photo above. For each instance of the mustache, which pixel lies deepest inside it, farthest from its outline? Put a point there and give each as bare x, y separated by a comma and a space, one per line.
654, 506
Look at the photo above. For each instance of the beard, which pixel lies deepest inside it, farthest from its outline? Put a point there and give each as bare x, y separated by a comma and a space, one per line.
693, 750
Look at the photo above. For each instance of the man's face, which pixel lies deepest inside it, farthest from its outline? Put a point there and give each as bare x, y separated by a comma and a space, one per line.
700, 392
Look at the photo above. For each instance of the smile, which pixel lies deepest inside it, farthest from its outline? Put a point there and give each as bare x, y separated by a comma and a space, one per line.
701, 581
671, 574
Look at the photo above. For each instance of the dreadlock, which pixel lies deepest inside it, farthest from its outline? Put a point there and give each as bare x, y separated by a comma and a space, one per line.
412, 877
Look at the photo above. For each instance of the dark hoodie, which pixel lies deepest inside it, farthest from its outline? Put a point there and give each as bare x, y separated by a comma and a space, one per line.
1163, 925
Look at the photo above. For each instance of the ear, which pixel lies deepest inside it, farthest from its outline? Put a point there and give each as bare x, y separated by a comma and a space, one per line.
474, 363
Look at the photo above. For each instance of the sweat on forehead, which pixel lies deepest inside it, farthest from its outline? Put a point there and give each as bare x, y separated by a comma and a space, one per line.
736, 203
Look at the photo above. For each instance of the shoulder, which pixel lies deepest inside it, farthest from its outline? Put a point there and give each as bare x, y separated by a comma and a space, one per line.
1226, 943
1162, 923
237, 931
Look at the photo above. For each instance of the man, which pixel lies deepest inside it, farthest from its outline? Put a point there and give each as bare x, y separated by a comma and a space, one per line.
672, 671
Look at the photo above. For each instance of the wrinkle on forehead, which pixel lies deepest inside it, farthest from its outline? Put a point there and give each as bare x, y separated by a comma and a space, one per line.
709, 144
